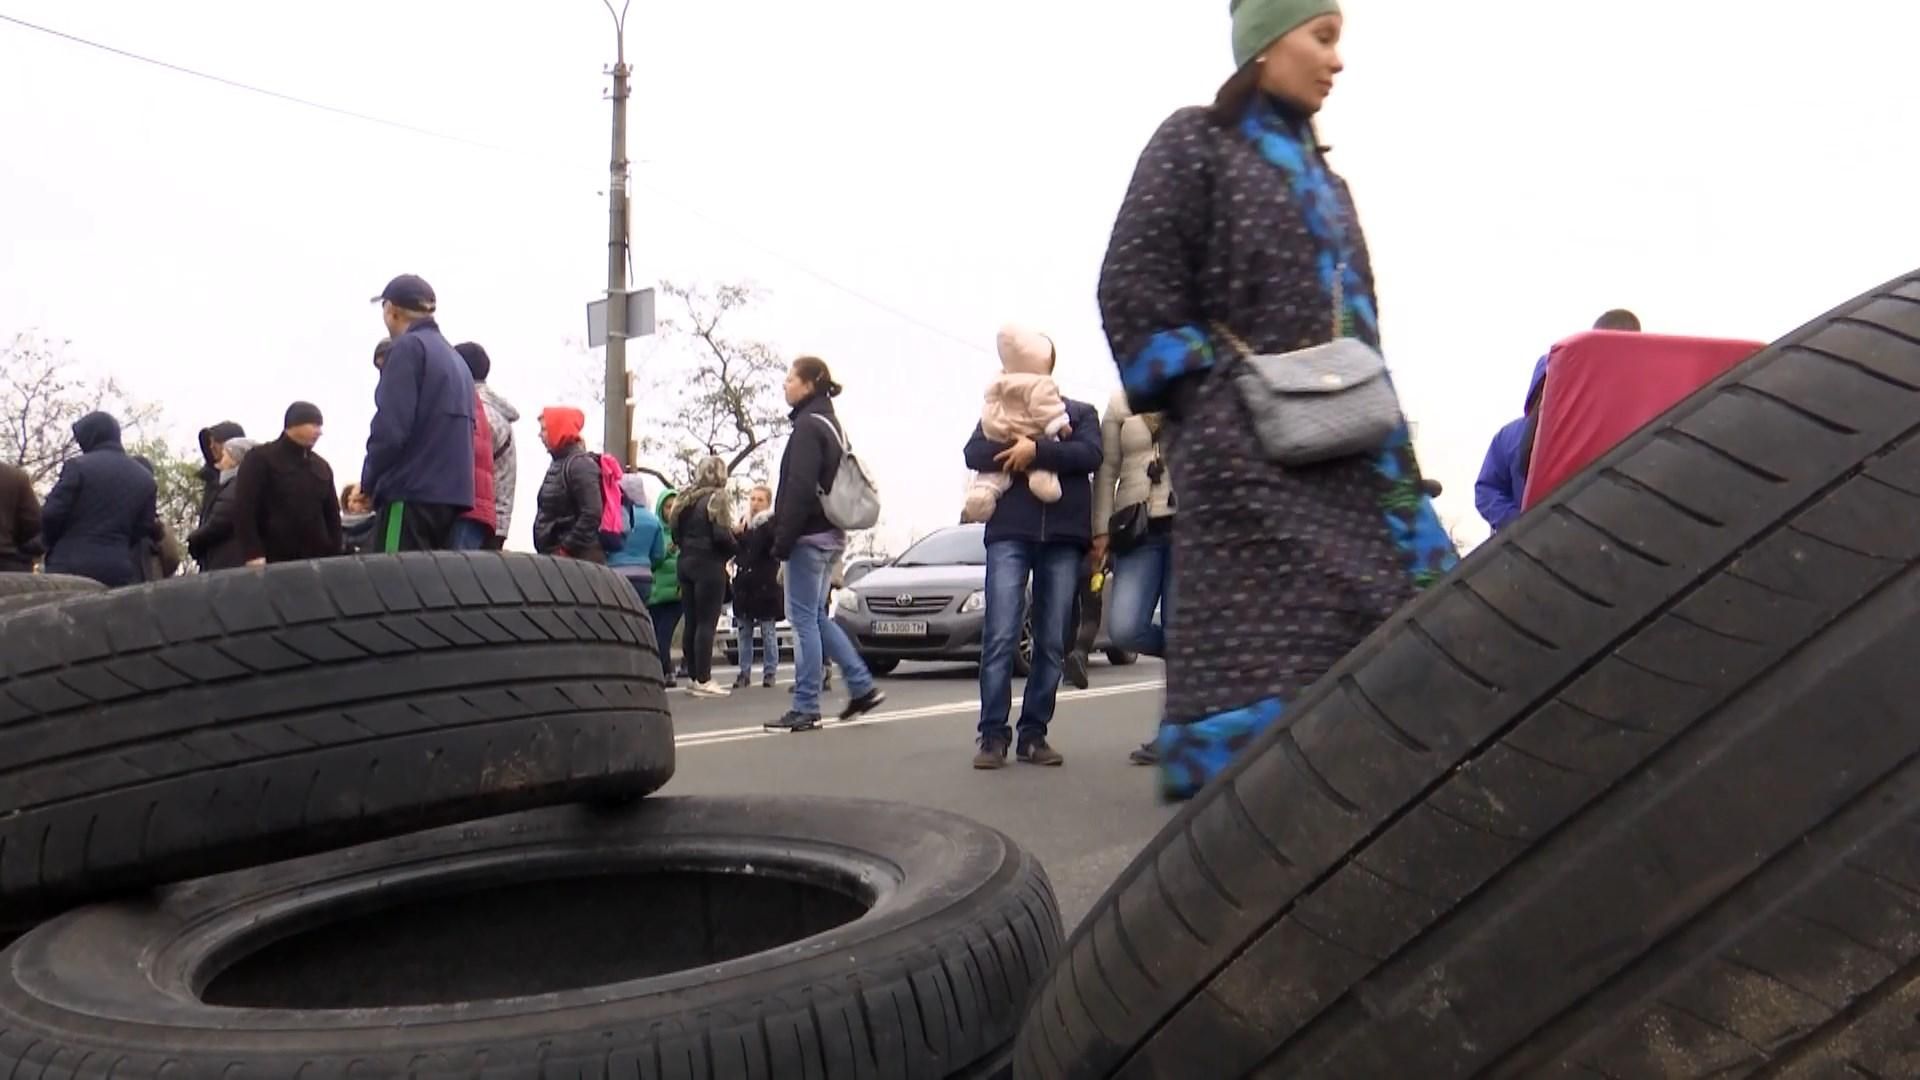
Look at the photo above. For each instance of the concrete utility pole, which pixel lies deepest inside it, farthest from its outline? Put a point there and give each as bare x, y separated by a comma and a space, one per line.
617, 206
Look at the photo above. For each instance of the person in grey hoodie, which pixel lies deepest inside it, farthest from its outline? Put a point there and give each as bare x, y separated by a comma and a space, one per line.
501, 416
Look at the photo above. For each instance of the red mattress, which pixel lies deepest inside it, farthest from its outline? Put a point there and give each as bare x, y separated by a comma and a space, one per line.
1604, 385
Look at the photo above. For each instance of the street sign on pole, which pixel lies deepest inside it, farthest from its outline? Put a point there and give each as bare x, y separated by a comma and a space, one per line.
640, 322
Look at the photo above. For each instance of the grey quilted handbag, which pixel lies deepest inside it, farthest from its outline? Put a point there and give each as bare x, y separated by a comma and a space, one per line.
1316, 404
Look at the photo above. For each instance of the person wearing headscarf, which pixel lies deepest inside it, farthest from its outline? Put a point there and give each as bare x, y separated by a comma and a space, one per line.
567, 521
216, 545
702, 524
102, 507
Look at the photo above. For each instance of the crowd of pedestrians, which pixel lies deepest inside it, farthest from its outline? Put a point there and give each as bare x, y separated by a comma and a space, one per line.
1236, 244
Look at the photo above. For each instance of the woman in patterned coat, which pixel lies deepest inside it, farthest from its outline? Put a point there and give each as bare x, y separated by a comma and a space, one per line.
1235, 222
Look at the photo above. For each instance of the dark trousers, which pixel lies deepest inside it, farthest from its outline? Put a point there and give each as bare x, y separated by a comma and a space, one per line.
666, 619
703, 588
410, 526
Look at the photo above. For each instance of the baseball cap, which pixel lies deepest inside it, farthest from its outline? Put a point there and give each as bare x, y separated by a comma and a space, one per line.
409, 291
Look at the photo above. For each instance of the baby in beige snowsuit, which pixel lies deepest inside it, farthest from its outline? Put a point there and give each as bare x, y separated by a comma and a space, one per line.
1023, 402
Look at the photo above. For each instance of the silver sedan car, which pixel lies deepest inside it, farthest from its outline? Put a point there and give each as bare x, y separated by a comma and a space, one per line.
931, 604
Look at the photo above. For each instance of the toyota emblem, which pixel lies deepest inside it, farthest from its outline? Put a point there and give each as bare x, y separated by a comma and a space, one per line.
904, 599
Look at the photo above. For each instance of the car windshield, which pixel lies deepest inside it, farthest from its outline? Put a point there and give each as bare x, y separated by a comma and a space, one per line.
948, 547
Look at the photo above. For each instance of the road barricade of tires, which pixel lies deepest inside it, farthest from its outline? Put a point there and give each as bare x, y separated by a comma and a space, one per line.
1633, 792
292, 794
699, 937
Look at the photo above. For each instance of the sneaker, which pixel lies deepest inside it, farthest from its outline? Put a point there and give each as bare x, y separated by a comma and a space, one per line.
863, 704
1037, 752
992, 755
742, 681
1074, 670
767, 682
1147, 753
707, 689
793, 722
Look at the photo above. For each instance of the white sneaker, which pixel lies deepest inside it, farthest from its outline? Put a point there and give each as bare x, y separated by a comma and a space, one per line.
707, 689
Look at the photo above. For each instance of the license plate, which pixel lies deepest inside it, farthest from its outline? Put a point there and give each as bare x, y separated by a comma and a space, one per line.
900, 629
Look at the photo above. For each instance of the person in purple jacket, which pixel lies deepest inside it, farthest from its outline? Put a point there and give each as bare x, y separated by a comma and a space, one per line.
419, 464
1501, 490
1503, 475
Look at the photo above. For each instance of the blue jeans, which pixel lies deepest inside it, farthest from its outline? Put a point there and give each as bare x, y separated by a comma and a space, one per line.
469, 535
1055, 572
769, 638
1142, 578
815, 636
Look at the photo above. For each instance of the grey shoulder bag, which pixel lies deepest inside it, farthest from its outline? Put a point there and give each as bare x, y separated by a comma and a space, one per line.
1320, 403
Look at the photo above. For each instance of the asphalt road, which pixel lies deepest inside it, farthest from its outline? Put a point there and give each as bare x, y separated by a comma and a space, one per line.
1085, 820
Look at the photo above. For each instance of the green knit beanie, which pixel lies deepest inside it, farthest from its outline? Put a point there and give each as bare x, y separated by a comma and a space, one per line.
1259, 23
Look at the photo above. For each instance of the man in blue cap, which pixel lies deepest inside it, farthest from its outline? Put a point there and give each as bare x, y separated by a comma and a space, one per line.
419, 465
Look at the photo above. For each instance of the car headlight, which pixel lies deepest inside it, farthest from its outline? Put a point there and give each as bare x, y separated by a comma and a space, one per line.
849, 601
976, 601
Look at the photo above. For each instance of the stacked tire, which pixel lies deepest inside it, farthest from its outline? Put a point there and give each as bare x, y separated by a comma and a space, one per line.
1635, 792
383, 816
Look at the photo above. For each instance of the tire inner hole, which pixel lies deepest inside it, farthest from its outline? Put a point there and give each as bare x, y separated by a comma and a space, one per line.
529, 938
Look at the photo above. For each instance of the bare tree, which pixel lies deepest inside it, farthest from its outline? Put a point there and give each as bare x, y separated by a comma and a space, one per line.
700, 389
42, 393
178, 476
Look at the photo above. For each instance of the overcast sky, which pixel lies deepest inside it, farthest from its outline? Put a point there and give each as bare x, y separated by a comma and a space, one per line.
903, 178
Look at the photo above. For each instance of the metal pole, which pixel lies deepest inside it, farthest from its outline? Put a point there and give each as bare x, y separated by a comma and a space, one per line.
616, 385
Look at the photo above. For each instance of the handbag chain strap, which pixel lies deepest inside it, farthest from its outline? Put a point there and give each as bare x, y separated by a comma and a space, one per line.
1341, 320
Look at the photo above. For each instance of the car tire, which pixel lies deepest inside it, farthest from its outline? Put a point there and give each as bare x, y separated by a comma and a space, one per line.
1632, 792
215, 721
883, 667
733, 658
1023, 651
18, 592
708, 938
1122, 658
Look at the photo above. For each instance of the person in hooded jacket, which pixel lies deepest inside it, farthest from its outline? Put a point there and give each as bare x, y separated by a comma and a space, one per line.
19, 521
211, 440
215, 545
646, 538
664, 601
501, 416
567, 524
286, 510
103, 505
1503, 475
759, 599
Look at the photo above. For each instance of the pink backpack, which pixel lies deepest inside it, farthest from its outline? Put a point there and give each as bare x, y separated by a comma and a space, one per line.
613, 524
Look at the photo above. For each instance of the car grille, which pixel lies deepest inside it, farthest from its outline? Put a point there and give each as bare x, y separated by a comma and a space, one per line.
904, 604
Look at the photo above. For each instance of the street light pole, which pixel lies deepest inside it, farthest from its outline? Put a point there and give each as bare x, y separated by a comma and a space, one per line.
617, 206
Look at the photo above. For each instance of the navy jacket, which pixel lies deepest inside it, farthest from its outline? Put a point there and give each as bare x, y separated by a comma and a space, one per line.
1503, 476
1020, 516
103, 505
420, 448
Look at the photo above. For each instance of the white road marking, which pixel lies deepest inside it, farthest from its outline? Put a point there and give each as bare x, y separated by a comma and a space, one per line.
727, 735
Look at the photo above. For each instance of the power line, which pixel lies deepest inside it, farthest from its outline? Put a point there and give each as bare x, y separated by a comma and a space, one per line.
248, 87
369, 118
